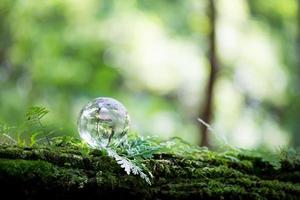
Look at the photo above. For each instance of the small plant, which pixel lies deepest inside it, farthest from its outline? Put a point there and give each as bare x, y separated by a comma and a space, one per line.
35, 127
131, 165
6, 132
131, 154
32, 127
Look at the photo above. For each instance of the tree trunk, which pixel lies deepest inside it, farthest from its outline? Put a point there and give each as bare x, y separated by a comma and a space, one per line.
208, 104
68, 172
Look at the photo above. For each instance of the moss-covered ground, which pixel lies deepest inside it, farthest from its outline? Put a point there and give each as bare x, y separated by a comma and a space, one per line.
73, 172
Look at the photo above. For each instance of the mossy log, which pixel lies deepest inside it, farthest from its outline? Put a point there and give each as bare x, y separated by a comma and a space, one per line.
66, 173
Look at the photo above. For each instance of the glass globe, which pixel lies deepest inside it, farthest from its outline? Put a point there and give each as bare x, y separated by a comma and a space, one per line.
103, 122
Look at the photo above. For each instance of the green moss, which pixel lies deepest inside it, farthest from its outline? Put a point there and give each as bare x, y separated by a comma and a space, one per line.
45, 172
27, 169
73, 170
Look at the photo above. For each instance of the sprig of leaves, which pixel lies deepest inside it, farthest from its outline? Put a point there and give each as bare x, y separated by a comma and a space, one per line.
32, 126
134, 151
34, 116
35, 126
139, 146
6, 132
131, 166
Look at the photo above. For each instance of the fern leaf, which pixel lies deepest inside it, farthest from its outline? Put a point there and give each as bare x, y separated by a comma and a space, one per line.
129, 166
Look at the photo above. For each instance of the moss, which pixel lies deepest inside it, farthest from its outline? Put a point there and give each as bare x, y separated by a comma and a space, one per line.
73, 171
46, 173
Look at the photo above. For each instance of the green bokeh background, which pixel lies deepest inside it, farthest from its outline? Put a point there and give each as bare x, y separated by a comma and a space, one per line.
152, 56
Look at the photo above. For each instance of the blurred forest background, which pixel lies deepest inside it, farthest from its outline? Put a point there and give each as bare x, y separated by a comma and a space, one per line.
157, 58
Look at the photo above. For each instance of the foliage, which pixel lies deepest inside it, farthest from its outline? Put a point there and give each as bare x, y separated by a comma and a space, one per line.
133, 152
131, 165
32, 127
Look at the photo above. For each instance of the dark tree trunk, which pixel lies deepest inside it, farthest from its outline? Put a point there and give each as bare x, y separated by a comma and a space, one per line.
208, 104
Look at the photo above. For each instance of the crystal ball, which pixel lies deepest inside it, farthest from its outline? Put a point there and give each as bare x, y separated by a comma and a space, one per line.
103, 122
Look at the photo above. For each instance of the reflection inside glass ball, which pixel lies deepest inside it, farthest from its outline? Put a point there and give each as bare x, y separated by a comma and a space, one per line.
103, 122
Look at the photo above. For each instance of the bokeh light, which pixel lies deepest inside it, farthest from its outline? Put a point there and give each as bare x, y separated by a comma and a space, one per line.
154, 58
